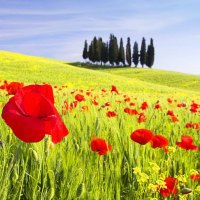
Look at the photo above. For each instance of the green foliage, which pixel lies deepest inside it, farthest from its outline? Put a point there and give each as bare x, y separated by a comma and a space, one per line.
121, 56
143, 52
135, 54
85, 50
128, 52
150, 54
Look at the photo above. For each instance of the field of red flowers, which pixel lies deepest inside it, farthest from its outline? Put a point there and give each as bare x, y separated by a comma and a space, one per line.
59, 143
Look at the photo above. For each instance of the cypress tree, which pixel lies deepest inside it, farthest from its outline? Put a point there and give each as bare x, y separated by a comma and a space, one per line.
91, 52
96, 50
150, 54
111, 50
121, 56
115, 50
85, 50
104, 53
128, 52
100, 49
135, 54
143, 52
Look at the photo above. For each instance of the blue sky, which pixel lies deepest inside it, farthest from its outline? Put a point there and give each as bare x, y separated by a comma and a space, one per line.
57, 29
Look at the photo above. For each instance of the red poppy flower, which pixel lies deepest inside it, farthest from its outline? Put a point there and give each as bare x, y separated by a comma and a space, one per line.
100, 146
169, 100
159, 141
85, 108
130, 111
144, 106
142, 118
171, 184
13, 87
3, 87
157, 106
127, 99
31, 114
174, 118
187, 143
114, 89
95, 102
181, 105
79, 97
195, 177
142, 136
131, 104
111, 114
193, 107
170, 112
189, 125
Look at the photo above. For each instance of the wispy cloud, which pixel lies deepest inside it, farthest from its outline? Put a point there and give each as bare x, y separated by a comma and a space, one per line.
58, 29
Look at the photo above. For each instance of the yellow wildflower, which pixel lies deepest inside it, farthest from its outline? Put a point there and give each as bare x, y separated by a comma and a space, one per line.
152, 187
136, 170
154, 167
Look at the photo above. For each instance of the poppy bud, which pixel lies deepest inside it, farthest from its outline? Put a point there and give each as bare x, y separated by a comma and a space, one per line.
80, 190
186, 190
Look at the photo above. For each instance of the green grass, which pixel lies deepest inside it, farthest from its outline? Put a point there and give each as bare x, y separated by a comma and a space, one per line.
158, 77
70, 170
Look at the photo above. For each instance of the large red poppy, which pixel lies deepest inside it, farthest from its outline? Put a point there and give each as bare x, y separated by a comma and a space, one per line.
100, 146
187, 143
142, 136
171, 187
31, 114
159, 141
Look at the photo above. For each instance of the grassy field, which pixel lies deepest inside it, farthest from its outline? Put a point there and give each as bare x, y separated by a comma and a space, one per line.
71, 170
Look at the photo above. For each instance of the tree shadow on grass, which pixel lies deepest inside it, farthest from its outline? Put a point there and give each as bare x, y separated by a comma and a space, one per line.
95, 67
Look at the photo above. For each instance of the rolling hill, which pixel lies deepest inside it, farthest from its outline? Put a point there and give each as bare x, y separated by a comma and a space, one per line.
30, 69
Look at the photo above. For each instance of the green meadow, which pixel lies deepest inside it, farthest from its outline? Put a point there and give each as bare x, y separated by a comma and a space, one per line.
71, 170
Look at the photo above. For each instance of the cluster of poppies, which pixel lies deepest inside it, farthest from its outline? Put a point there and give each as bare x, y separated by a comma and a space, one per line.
144, 136
12, 87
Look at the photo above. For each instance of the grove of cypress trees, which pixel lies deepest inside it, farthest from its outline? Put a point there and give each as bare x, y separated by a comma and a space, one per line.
135, 54
150, 54
143, 52
121, 56
103, 52
128, 51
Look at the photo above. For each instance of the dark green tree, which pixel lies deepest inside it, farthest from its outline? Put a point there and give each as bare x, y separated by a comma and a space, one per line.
115, 51
128, 52
121, 56
85, 50
104, 53
91, 52
100, 42
111, 49
96, 50
143, 52
150, 54
135, 54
